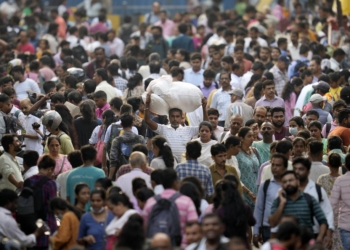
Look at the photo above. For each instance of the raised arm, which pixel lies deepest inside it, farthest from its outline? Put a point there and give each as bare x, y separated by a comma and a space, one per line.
151, 124
204, 106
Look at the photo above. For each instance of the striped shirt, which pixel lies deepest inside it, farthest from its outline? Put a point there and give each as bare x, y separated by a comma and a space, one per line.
21, 88
120, 83
238, 107
185, 206
177, 138
300, 209
280, 78
194, 168
221, 100
341, 195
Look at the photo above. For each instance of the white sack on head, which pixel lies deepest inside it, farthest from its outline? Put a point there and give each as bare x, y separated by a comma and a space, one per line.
160, 86
158, 105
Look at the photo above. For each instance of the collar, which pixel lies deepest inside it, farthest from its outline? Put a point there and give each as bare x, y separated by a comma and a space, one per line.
10, 156
5, 211
106, 106
222, 90
215, 169
192, 161
202, 86
274, 98
310, 185
136, 169
334, 61
196, 73
336, 150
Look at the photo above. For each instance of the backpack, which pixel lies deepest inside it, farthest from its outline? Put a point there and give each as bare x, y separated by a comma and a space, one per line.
12, 123
165, 218
126, 33
30, 205
80, 54
115, 132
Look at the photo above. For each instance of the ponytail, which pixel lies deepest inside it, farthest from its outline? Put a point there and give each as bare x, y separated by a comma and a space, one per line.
164, 150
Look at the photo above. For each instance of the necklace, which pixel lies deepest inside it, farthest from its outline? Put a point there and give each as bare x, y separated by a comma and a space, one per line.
248, 153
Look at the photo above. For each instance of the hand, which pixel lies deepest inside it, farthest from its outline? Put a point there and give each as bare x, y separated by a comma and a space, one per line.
20, 184
256, 240
252, 196
104, 168
90, 239
39, 231
327, 242
281, 196
48, 96
148, 100
204, 102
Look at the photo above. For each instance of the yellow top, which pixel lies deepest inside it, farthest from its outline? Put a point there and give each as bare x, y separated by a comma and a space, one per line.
67, 233
335, 93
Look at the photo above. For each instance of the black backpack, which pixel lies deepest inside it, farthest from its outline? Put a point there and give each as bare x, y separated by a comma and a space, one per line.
12, 124
115, 132
165, 218
30, 205
80, 54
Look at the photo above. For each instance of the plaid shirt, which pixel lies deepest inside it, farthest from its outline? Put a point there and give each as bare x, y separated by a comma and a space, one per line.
120, 83
127, 169
194, 168
280, 78
49, 190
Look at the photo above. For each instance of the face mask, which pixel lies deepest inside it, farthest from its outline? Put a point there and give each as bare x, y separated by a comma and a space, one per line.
293, 131
156, 36
97, 212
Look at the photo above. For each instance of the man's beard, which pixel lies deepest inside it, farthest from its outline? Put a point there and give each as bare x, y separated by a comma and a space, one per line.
290, 190
277, 125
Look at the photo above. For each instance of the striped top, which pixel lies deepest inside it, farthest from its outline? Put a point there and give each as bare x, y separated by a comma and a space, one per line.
341, 195
177, 138
221, 100
300, 209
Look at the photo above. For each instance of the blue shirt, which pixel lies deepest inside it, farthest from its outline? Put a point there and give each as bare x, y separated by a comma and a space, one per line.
291, 67
194, 168
196, 78
221, 100
89, 226
87, 175
271, 194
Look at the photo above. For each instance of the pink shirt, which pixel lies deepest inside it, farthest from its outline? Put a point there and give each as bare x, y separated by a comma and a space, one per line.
341, 195
99, 111
98, 27
187, 210
168, 27
47, 73
66, 165
289, 105
28, 47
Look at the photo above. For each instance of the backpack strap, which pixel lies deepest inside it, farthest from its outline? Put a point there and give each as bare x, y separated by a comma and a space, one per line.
174, 197
265, 187
319, 192
16, 114
310, 205
328, 128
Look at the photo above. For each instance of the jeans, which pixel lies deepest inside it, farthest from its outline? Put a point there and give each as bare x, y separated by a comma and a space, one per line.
345, 238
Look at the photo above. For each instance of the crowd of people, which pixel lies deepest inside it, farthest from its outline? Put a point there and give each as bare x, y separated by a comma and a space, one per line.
263, 162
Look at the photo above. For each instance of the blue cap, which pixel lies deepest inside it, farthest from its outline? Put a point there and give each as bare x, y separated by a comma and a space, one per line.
285, 59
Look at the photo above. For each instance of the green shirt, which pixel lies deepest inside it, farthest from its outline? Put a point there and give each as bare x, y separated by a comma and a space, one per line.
300, 209
263, 150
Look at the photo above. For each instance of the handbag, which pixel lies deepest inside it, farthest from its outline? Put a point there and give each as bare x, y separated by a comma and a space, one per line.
99, 148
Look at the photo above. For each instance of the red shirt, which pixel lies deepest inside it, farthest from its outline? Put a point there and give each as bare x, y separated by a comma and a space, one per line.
28, 47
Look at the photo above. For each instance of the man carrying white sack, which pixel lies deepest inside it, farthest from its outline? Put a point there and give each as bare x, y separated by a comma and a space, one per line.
177, 135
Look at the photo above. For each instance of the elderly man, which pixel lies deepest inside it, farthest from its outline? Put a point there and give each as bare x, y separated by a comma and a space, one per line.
236, 122
317, 102
138, 162
238, 107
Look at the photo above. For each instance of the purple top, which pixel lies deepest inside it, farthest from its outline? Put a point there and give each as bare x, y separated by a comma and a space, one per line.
206, 91
284, 132
276, 102
324, 129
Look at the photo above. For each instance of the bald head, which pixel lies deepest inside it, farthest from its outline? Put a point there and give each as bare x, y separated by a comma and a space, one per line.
25, 106
236, 122
138, 160
161, 241
156, 7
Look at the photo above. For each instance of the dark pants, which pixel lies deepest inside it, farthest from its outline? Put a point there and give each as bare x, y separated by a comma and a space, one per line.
221, 123
266, 233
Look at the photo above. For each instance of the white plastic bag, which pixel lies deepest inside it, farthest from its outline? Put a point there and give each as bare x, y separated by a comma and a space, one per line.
158, 105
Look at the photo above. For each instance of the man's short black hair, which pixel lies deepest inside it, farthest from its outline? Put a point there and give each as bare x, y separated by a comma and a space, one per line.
303, 49
102, 73
48, 85
4, 98
7, 196
75, 158
228, 32
160, 29
289, 172
277, 109
154, 67
183, 28
343, 114
100, 95
6, 140
312, 112
208, 73
88, 153
5, 79
217, 149
339, 52
89, 86
176, 71
157, 176
303, 161
30, 158
116, 102
281, 41
284, 147
286, 230
135, 102
169, 178
227, 59
57, 97
131, 63
315, 147
17, 69
193, 150
334, 142
75, 96
126, 120
113, 69
173, 63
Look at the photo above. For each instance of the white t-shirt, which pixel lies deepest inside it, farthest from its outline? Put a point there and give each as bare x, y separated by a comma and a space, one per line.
32, 144
30, 172
21, 88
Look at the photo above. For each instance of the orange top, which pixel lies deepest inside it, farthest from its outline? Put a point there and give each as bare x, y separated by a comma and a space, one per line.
61, 27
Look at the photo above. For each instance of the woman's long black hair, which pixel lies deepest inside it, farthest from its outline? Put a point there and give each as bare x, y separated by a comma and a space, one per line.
61, 204
253, 79
164, 150
134, 81
68, 121
289, 88
132, 235
191, 191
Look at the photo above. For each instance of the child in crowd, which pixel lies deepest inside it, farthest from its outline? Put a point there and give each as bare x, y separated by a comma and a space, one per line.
335, 89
